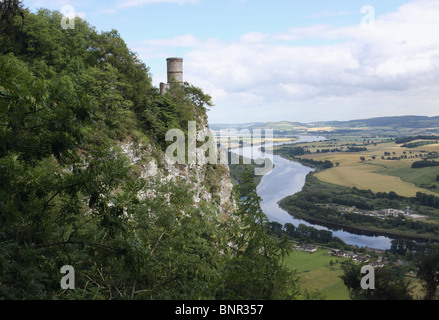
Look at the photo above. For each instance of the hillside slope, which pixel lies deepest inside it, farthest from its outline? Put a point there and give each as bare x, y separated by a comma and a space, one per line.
390, 123
86, 184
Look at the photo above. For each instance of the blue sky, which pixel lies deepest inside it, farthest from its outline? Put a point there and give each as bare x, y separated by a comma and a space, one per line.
285, 59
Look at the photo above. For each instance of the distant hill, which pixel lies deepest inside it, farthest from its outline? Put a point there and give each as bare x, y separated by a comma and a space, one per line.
383, 123
396, 122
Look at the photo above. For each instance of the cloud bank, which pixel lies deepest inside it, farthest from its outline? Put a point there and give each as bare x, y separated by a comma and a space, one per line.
320, 72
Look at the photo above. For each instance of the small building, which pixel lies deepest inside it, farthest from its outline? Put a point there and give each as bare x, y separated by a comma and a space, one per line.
376, 264
391, 212
308, 248
350, 255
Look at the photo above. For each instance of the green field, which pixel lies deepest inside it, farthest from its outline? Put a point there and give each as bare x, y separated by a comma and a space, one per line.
421, 177
316, 273
376, 172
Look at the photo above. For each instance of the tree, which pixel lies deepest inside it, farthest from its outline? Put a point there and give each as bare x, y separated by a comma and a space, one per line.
289, 229
9, 9
257, 270
197, 97
275, 227
428, 272
68, 193
39, 117
389, 284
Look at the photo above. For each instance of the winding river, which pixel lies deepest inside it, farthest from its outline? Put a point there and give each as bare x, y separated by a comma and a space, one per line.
287, 178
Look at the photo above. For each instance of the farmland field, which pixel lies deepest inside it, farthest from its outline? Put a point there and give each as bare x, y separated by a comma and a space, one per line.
316, 273
385, 166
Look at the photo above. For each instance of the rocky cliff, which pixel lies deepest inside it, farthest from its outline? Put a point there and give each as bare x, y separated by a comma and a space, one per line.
210, 182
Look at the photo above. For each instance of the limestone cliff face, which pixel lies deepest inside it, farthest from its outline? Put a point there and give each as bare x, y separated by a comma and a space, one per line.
211, 183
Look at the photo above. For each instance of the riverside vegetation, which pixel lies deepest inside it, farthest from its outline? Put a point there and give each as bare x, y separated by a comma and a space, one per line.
326, 191
331, 203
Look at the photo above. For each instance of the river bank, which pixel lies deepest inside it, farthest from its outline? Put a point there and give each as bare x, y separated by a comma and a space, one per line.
360, 230
309, 202
288, 178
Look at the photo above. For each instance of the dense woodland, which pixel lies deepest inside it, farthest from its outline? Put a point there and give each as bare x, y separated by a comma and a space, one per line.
69, 196
425, 163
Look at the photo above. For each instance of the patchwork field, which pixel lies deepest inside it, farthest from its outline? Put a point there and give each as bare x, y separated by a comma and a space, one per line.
372, 169
316, 273
364, 177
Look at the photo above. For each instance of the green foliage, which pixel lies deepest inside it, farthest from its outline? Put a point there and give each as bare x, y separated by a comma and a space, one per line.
425, 163
306, 234
38, 117
197, 97
293, 152
428, 272
389, 283
411, 138
11, 15
69, 196
418, 144
237, 169
317, 199
257, 270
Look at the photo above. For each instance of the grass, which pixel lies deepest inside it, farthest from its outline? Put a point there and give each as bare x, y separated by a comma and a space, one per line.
316, 273
375, 173
366, 177
420, 177
416, 288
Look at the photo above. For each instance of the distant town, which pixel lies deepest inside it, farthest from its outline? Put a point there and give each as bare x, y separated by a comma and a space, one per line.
378, 261
382, 213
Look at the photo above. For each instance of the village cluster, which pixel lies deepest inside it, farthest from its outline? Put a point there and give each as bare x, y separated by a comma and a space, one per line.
359, 258
383, 213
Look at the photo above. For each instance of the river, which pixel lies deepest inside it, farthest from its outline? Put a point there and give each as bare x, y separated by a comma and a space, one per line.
287, 178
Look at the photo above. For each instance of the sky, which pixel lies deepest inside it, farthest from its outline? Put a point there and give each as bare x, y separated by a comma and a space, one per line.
284, 60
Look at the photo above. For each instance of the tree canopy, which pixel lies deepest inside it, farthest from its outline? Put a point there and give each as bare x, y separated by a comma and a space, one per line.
70, 196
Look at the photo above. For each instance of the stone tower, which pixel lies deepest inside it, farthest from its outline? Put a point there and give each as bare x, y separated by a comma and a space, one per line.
175, 70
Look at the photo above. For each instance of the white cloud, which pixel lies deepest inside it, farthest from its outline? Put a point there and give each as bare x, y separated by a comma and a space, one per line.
392, 69
253, 37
